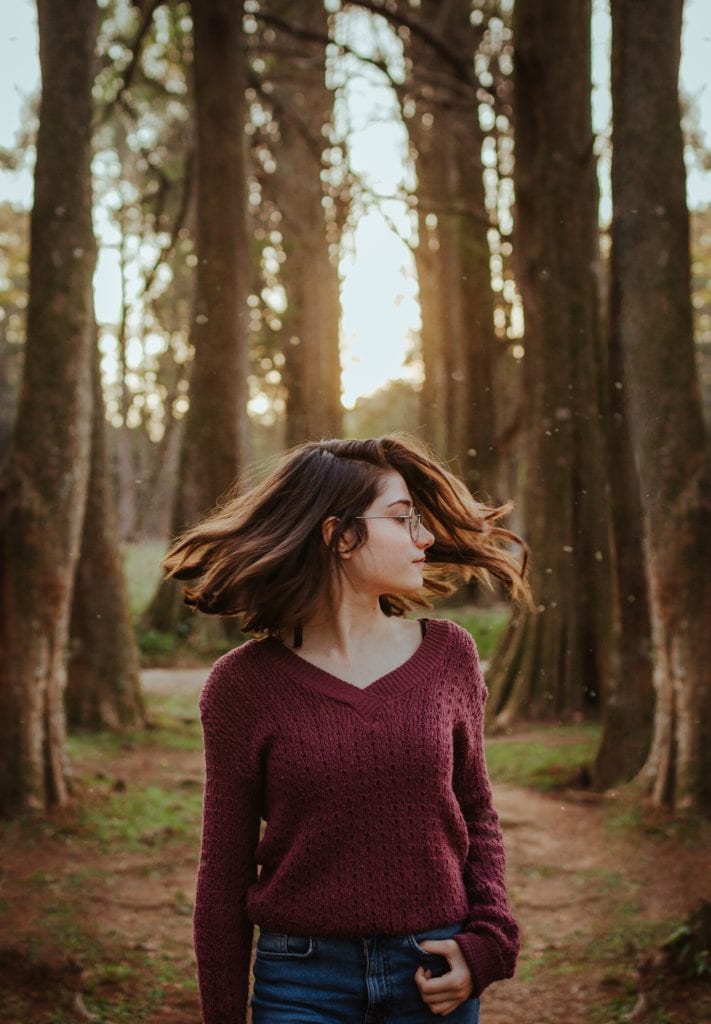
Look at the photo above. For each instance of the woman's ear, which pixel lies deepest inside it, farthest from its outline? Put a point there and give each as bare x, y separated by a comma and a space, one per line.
344, 542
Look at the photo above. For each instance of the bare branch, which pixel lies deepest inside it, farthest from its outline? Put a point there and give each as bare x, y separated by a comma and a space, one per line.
136, 48
286, 114
323, 39
461, 66
178, 223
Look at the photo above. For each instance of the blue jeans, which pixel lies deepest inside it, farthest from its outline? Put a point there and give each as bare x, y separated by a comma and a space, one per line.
309, 980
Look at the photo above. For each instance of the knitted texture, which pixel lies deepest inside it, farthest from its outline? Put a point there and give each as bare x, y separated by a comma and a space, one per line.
377, 803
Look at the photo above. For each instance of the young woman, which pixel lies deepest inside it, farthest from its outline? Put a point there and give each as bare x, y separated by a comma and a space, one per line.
355, 734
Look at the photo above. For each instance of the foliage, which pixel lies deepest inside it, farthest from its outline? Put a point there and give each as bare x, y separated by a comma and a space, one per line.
395, 406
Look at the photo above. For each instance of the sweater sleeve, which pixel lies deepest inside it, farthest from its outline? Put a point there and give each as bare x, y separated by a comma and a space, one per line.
230, 831
490, 939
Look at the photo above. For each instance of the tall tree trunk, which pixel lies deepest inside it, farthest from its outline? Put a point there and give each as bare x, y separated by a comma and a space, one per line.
650, 236
103, 688
453, 257
628, 707
554, 662
302, 105
45, 480
214, 441
125, 469
154, 518
312, 371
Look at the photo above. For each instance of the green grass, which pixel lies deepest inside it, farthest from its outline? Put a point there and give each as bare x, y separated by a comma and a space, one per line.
628, 935
630, 813
549, 758
61, 921
138, 816
125, 991
120, 985
142, 816
150, 814
174, 724
111, 820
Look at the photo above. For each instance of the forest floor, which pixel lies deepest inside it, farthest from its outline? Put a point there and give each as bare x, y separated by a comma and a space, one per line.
96, 902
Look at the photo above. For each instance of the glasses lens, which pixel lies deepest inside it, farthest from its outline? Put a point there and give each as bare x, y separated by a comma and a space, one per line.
415, 522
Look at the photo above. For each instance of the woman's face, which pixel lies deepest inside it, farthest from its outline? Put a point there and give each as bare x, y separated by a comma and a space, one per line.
390, 561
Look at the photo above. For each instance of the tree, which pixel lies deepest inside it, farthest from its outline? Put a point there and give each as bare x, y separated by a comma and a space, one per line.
553, 662
301, 113
214, 441
45, 480
103, 688
628, 705
650, 239
453, 256
144, 204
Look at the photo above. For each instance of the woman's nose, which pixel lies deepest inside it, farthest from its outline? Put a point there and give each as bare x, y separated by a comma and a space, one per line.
425, 538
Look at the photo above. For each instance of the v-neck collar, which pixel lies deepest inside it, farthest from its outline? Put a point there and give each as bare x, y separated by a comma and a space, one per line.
421, 663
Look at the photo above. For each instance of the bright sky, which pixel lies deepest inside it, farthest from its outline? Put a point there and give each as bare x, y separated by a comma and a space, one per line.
379, 293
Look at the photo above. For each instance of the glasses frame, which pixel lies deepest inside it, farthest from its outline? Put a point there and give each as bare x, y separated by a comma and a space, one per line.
413, 517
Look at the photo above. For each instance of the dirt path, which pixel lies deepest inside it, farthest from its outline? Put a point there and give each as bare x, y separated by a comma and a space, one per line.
589, 898
588, 902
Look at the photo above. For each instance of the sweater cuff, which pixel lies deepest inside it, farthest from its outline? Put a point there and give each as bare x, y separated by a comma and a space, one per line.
483, 958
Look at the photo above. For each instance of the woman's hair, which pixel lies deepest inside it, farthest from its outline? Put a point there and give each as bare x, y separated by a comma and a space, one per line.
261, 556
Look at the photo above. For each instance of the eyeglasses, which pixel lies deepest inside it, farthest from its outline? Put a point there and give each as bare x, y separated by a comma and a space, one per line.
413, 519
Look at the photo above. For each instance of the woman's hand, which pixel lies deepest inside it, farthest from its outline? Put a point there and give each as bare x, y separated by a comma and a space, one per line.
444, 994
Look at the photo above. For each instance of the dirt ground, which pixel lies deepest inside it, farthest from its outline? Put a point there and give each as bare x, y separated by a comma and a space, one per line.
592, 900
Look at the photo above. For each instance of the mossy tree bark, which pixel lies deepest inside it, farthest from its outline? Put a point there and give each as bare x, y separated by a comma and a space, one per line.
214, 442
650, 238
554, 662
453, 256
45, 479
103, 686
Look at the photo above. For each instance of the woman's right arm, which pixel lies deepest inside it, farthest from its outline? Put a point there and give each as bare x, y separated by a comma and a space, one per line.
230, 832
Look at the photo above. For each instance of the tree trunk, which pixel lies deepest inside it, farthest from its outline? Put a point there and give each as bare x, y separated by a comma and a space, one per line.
554, 662
103, 688
312, 372
650, 235
628, 708
214, 441
125, 469
45, 480
302, 106
453, 257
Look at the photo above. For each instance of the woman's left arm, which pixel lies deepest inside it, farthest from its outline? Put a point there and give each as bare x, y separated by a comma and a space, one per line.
490, 940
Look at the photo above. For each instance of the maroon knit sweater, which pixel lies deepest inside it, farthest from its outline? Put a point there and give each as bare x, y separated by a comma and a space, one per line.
377, 803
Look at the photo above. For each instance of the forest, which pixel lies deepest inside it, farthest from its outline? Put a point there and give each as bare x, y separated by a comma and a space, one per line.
175, 312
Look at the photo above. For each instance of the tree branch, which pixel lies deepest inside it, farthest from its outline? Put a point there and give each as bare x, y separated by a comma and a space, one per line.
179, 221
462, 67
136, 48
322, 39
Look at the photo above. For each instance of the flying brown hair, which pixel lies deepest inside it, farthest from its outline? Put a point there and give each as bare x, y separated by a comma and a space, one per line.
261, 556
